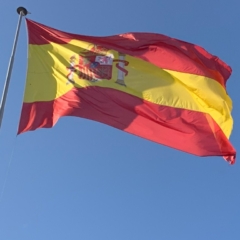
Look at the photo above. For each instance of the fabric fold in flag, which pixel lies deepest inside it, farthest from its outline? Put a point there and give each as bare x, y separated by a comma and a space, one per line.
150, 85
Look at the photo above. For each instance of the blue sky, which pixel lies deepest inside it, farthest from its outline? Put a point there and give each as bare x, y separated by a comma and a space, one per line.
84, 180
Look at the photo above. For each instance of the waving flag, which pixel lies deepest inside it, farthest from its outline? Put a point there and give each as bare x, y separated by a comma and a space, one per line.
156, 87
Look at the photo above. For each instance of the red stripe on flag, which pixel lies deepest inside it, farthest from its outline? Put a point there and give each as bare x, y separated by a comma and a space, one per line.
160, 50
189, 131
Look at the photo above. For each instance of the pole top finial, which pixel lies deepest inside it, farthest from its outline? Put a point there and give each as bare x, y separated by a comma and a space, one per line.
23, 11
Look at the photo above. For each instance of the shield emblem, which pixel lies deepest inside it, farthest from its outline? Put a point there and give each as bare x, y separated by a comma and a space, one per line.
93, 65
97, 64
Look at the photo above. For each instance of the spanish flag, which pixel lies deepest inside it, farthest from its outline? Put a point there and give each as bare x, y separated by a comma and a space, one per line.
151, 85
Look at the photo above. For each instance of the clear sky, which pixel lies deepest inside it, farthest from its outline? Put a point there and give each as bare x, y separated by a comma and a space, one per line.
85, 180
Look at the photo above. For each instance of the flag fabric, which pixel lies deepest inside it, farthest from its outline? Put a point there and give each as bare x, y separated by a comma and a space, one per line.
159, 88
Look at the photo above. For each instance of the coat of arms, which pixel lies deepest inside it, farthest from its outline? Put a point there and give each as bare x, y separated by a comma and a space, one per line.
96, 64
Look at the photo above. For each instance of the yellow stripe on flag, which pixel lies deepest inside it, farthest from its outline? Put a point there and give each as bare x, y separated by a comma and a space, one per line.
47, 80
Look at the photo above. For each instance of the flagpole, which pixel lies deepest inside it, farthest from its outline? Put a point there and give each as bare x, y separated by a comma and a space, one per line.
22, 12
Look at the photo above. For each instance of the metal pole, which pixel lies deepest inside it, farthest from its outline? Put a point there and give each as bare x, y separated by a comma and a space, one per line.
22, 12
